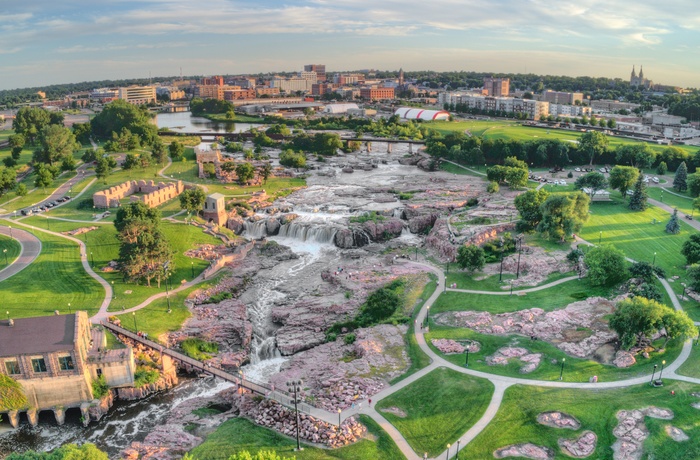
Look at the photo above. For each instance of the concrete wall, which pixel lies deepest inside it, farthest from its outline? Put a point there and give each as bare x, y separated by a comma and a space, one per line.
117, 367
68, 391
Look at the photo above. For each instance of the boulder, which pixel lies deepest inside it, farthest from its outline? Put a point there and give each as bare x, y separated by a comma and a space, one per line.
235, 224
580, 447
422, 223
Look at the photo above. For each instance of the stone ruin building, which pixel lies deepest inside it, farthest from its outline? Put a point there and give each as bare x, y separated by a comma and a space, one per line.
152, 194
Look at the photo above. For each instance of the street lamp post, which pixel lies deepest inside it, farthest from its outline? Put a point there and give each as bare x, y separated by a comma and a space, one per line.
654, 260
466, 360
4, 251
427, 315
500, 276
192, 265
561, 372
600, 236
448, 453
92, 257
69, 310
8, 315
457, 453
661, 374
339, 411
651, 382
295, 386
520, 251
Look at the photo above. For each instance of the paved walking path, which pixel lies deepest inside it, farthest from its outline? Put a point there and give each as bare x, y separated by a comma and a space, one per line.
30, 248
518, 291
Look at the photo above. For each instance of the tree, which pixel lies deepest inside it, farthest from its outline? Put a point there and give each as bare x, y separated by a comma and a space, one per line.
492, 187
29, 122
638, 155
192, 200
662, 168
21, 189
245, 172
130, 161
471, 257
606, 265
691, 249
119, 115
612, 124
68, 163
529, 205
43, 178
593, 144
102, 168
177, 150
677, 325
679, 180
82, 132
292, 159
645, 271
638, 201
144, 253
89, 156
265, 172
636, 318
158, 151
16, 140
8, 177
594, 181
673, 226
563, 214
693, 272
622, 178
66, 452
55, 143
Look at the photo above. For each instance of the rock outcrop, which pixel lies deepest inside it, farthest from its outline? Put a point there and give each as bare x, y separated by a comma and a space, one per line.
526, 450
503, 356
558, 419
580, 447
631, 431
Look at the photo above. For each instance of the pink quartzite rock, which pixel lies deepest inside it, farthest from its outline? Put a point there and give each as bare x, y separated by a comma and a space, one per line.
624, 359
558, 420
526, 450
631, 431
581, 447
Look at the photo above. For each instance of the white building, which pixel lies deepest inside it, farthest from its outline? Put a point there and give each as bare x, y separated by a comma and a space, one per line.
568, 111
412, 113
293, 84
337, 109
532, 108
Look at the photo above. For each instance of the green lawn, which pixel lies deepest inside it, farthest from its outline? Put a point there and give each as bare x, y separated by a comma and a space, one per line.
103, 247
684, 204
439, 408
575, 369
9, 250
239, 434
636, 236
449, 167
691, 367
55, 279
418, 358
37, 195
547, 299
466, 280
516, 422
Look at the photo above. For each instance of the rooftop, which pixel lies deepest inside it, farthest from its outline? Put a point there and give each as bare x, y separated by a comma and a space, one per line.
37, 335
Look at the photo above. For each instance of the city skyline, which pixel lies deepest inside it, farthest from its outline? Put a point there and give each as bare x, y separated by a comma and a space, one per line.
47, 44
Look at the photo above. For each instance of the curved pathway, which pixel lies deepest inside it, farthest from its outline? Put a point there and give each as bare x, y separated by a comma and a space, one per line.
30, 248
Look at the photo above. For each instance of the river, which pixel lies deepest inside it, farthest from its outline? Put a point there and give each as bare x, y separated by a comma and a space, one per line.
185, 122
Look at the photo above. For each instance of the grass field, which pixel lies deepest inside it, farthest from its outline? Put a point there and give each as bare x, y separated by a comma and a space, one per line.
575, 369
439, 408
684, 204
449, 167
466, 280
55, 279
516, 422
9, 250
418, 358
691, 366
37, 194
238, 434
634, 233
548, 299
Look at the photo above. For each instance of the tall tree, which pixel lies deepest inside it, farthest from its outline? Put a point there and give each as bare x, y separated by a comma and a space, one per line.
637, 318
265, 172
594, 181
471, 257
638, 201
245, 172
639, 155
29, 121
606, 265
103, 168
8, 178
529, 205
43, 178
176, 150
563, 214
593, 143
623, 178
679, 181
673, 226
55, 143
192, 200
691, 249
118, 115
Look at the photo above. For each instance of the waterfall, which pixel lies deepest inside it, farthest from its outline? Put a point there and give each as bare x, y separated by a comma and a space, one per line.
399, 213
323, 234
255, 230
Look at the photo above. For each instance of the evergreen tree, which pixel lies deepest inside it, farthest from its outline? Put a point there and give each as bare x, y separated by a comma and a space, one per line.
673, 226
638, 202
679, 181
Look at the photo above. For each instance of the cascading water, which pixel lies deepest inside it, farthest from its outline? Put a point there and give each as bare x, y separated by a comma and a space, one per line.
126, 422
255, 230
322, 234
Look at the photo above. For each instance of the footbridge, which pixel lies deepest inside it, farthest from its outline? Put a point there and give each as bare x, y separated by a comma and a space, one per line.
239, 379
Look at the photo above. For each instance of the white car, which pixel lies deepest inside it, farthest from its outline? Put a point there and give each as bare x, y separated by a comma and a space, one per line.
562, 182
656, 180
577, 169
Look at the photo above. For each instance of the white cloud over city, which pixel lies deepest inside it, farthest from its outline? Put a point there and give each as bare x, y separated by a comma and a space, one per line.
79, 40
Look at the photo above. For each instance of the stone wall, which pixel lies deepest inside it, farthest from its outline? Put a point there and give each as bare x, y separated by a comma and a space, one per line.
154, 194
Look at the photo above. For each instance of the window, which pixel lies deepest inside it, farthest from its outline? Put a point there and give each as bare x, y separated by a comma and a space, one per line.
99, 372
66, 363
39, 365
12, 367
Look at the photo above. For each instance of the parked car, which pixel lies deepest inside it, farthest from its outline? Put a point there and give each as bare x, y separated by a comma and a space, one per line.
656, 180
26, 212
577, 169
66, 198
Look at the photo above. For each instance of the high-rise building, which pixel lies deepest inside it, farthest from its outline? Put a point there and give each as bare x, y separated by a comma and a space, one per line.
320, 70
138, 94
497, 86
561, 97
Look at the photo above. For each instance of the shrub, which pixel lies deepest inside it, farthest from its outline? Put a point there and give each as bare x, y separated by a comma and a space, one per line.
492, 187
216, 298
199, 349
606, 265
349, 339
144, 376
472, 202
405, 195
373, 216
570, 175
99, 387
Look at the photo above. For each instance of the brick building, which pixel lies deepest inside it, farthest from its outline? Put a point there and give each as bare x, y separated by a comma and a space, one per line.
377, 93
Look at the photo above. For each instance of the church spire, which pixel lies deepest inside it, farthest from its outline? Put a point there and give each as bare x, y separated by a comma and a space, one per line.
641, 72
634, 74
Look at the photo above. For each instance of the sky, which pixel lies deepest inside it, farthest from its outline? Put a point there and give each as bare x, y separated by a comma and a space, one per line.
46, 42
